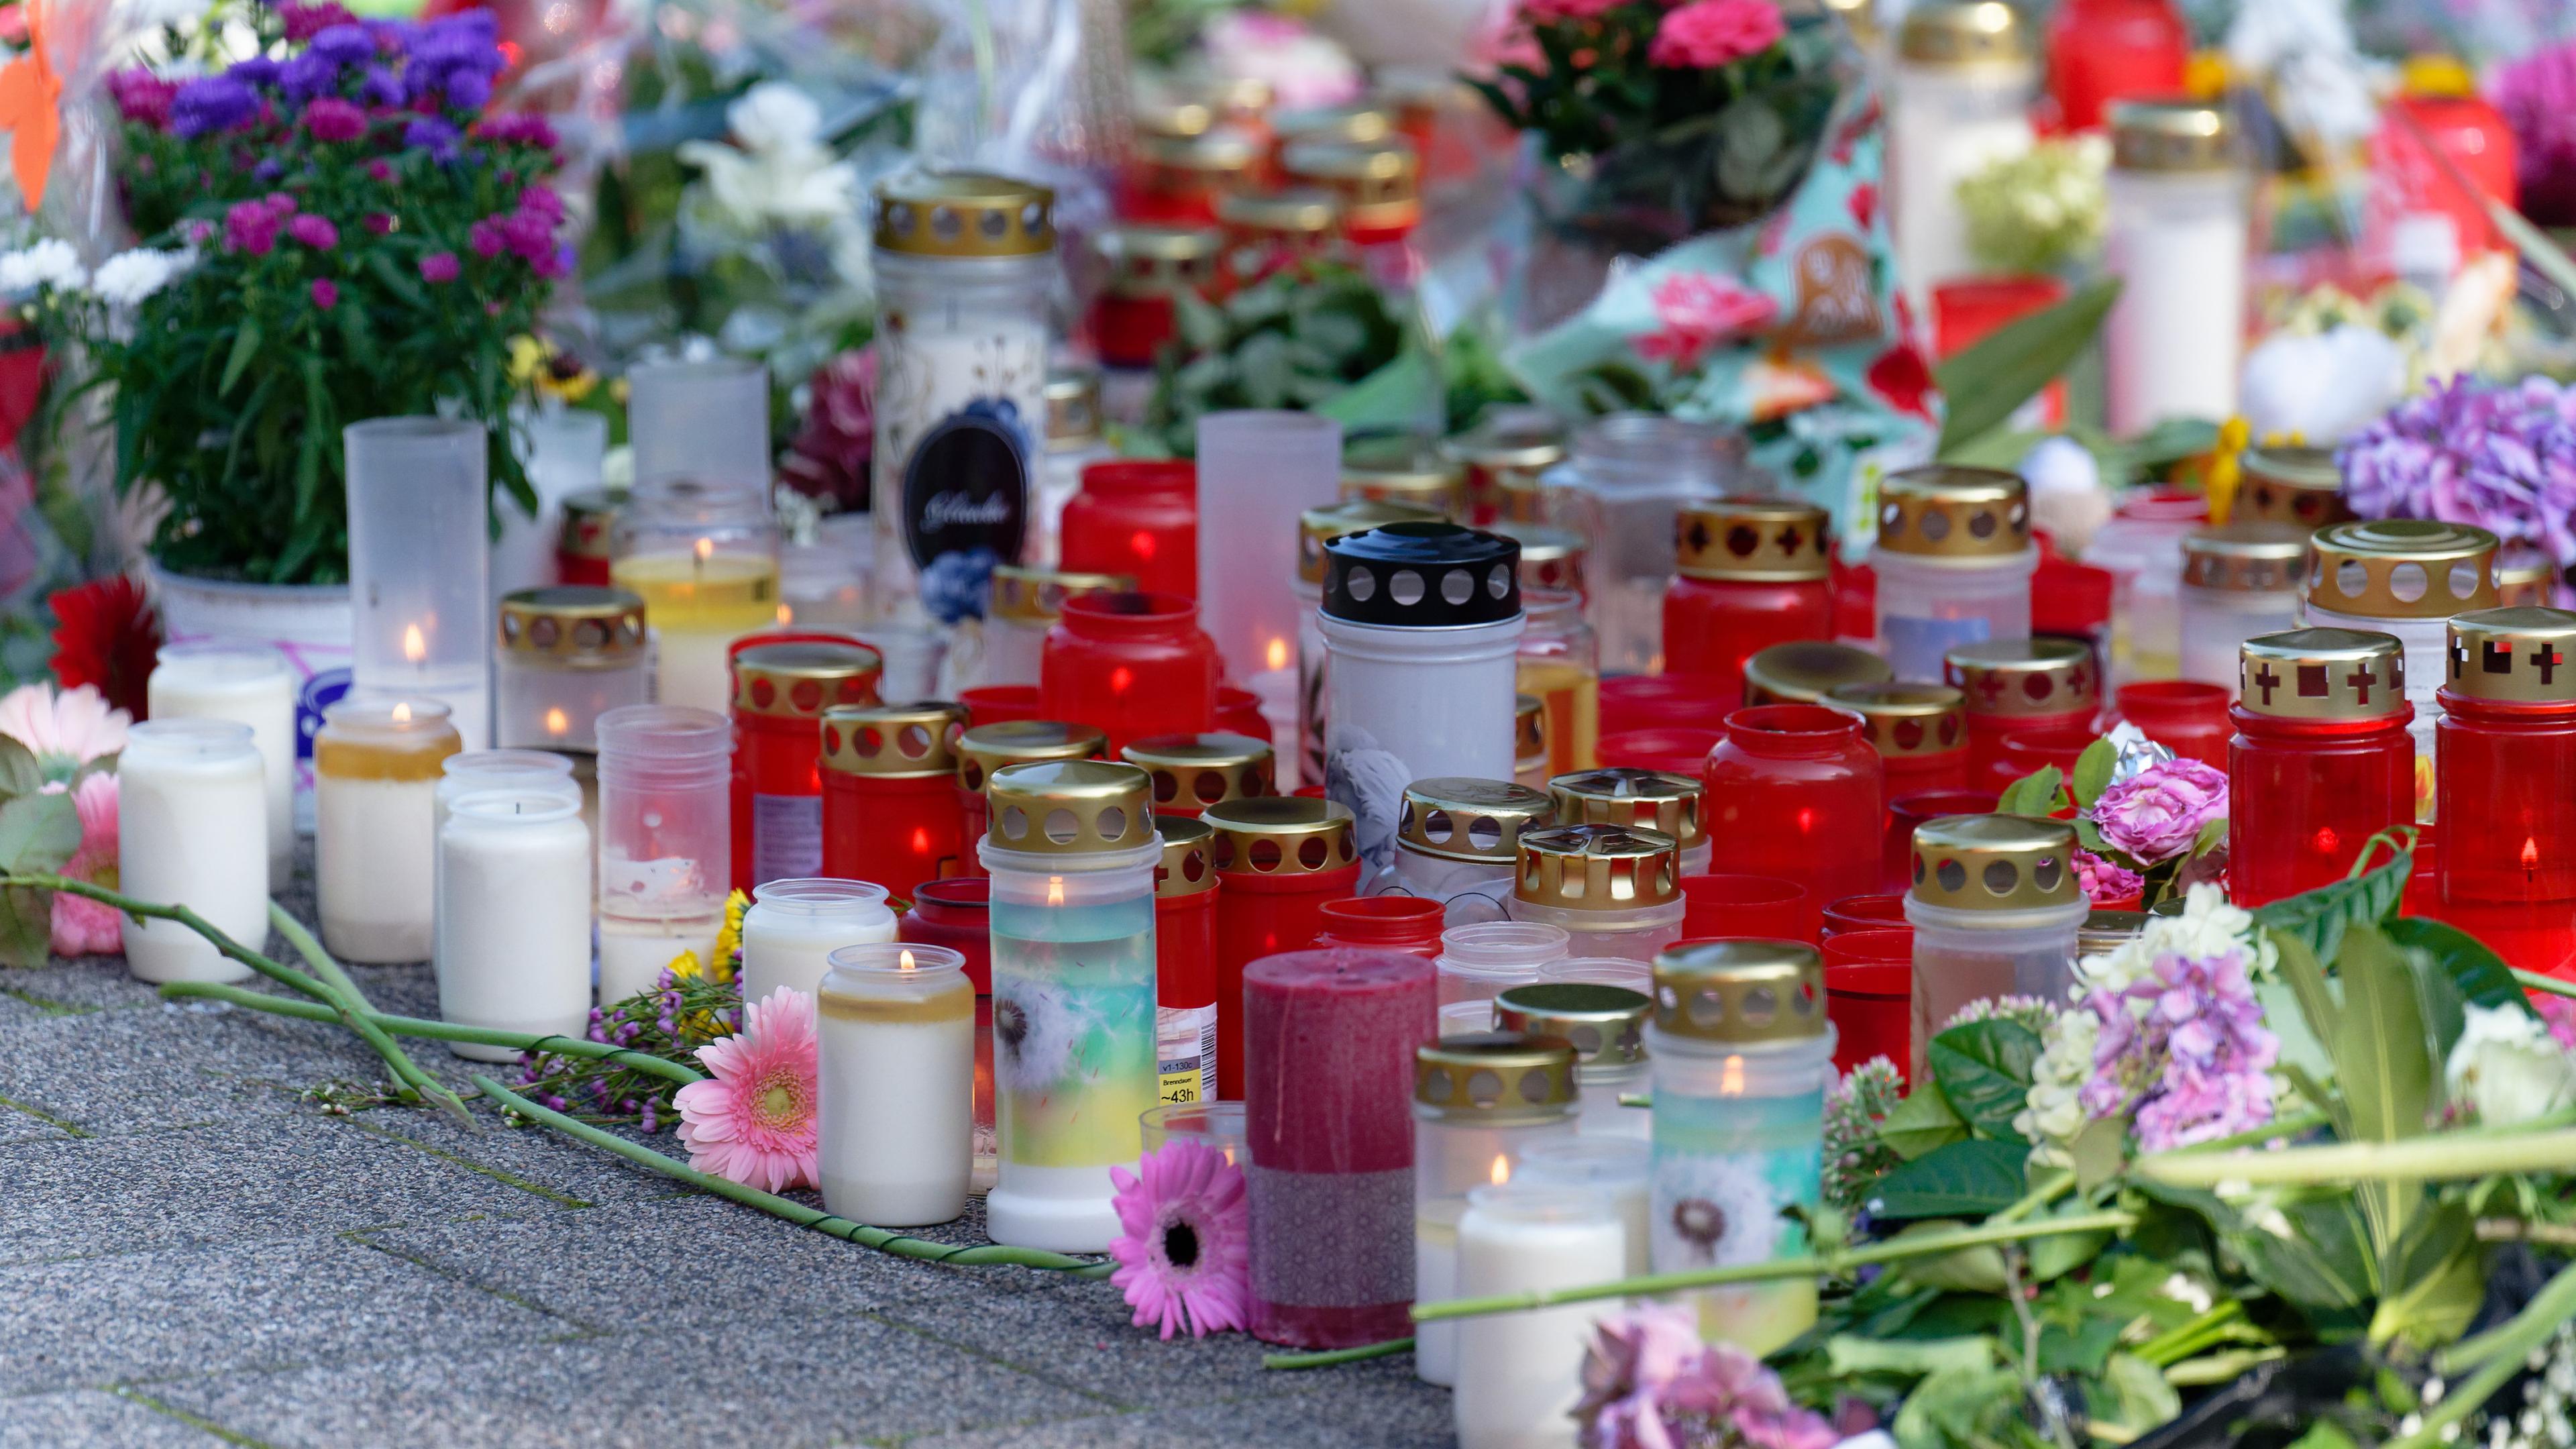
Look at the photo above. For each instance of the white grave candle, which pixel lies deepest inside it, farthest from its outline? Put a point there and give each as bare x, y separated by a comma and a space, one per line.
794, 926
514, 916
1519, 1374
249, 684
896, 1120
376, 765
191, 830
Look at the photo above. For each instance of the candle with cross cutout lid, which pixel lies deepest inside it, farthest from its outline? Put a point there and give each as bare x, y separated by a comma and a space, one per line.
2321, 760
2017, 687
2506, 752
1751, 573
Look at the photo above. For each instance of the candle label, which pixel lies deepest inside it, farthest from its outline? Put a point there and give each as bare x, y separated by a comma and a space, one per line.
1185, 1043
1073, 1037
954, 416
786, 836
1725, 1167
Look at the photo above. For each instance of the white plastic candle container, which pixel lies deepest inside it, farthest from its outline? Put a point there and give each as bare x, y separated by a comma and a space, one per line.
704, 559
1479, 1102
1954, 560
1457, 843
1520, 1374
705, 421
1995, 909
2239, 581
472, 772
665, 840
1958, 101
248, 684
1638, 976
2176, 236
1258, 472
514, 917
566, 656
1619, 489
191, 830
2141, 547
1606, 1027
794, 926
895, 1124
1315, 528
420, 565
1619, 1167
1481, 961
564, 449
376, 767
1614, 891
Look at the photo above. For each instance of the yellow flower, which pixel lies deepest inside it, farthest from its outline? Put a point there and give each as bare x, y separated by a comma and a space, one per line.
528, 355
2224, 470
729, 940
535, 362
685, 965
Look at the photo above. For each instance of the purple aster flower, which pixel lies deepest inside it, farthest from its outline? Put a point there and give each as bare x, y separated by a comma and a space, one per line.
251, 226
468, 90
307, 76
381, 87
344, 44
433, 135
2499, 457
519, 128
314, 232
259, 70
211, 103
269, 169
440, 267
485, 237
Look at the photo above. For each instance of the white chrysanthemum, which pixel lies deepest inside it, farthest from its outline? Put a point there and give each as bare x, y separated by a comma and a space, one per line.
2053, 1115
2508, 1066
49, 263
774, 116
127, 278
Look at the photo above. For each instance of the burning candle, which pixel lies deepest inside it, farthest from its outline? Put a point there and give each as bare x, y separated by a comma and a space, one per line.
248, 684
514, 916
890, 798
780, 693
704, 559
1185, 893
376, 766
2507, 745
2321, 760
567, 655
191, 830
794, 927
988, 749
2018, 689
420, 565
1479, 1101
1131, 664
1520, 1374
894, 1124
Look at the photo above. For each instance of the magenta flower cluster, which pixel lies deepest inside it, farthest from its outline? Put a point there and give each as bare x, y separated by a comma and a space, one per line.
2499, 456
2184, 1050
353, 70
526, 232
2104, 881
2155, 814
2537, 96
1649, 1383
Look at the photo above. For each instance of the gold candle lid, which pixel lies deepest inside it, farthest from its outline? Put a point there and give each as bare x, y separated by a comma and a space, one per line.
1801, 672
1176, 120
1529, 733
1192, 772
1551, 558
941, 213
1454, 817
1606, 1025
1069, 807
796, 681
1598, 868
1905, 720
1036, 596
1281, 835
1740, 992
2401, 568
1072, 408
2290, 483
1654, 800
1404, 468
1995, 863
911, 741
573, 624
2346, 674
1189, 866
1379, 184
2106, 931
1215, 154
1347, 125
1752, 540
2173, 135
2523, 576
1517, 442
1964, 33
987, 748
2513, 656
2018, 678
590, 523
2259, 557
1319, 526
1160, 261
1493, 1072
1301, 215
1945, 512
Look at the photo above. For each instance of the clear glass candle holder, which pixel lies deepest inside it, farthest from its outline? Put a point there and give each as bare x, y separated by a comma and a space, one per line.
665, 840
1479, 1102
420, 565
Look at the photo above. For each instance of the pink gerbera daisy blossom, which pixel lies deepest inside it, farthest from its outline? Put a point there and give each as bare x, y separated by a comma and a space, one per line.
752, 1121
64, 731
84, 927
1183, 1253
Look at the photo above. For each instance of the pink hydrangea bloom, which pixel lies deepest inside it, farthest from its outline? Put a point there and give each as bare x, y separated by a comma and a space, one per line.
752, 1120
2155, 814
2184, 1051
63, 731
1709, 33
1649, 1383
1183, 1249
326, 293
84, 927
2104, 882
1697, 311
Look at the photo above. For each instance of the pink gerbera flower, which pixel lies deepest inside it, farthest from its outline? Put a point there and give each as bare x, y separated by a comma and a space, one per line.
64, 731
752, 1122
84, 927
1183, 1255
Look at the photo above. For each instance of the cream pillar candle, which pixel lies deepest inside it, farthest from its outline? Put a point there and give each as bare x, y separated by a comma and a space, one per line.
895, 1124
794, 926
1520, 1374
514, 916
191, 830
376, 766
472, 772
249, 684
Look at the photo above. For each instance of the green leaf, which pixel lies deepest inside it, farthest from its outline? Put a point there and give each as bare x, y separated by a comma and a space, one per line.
1984, 1069
19, 772
1978, 1269
26, 926
2134, 1396
37, 833
2100, 1150
2481, 975
245, 347
2322, 1263
2318, 918
2037, 793
2432, 1286
2383, 1065
2301, 1048
1922, 1122
1961, 1407
2052, 1258
1984, 383
1848, 1354
1963, 1180
2093, 772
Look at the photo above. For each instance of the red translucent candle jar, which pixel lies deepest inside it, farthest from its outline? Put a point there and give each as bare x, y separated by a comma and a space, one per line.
1271, 231
1632, 702
1410, 924
1185, 891
1871, 1004
1852, 948
2073, 601
1864, 913
890, 796
1131, 664
985, 748
2321, 761
1919, 730
1193, 772
1279, 860
1855, 603
2423, 894
1137, 518
1150, 267
2505, 768
958, 914
586, 545
1795, 792
1378, 186
1804, 672
1674, 751
1904, 812
2027, 753
1764, 907
2100, 51
1752, 572
2016, 687
999, 703
2183, 715
1238, 712
1181, 180
779, 694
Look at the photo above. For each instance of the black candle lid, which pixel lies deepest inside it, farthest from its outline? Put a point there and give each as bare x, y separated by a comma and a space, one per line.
1422, 576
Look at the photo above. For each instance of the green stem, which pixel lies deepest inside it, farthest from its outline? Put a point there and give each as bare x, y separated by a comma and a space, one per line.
1812, 1265
2450, 1156
2298, 1125
1339, 1355
2178, 1342
2499, 1354
2049, 1190
794, 1212
2534, 981
444, 1030
327, 969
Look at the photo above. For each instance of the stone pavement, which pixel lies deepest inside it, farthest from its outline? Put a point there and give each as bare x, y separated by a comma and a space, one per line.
193, 1253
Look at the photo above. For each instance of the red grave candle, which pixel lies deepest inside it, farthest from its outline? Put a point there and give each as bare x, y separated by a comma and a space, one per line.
1329, 1040
890, 796
779, 694
1138, 518
1632, 702
1854, 914
1675, 751
999, 703
2183, 715
1185, 892
1131, 665
1752, 573
2017, 686
1761, 906
1238, 711
1795, 792
958, 914
2321, 761
1919, 730
1150, 268
2505, 763
586, 545
2100, 51
989, 747
1906, 811
1278, 861
1192, 772
1410, 924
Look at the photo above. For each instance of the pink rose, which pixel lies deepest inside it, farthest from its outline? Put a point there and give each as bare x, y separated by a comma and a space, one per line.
1709, 33
2104, 883
2155, 814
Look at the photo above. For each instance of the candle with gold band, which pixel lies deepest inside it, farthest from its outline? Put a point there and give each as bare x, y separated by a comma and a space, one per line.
1954, 559
894, 1116
1995, 906
780, 693
2239, 579
1751, 573
704, 559
1804, 671
2013, 687
1919, 730
1184, 179
2289, 483
2526, 577
1379, 185
376, 767
1026, 603
1479, 1102
1194, 771
1267, 231
1404, 468
1615, 889
1150, 269
986, 748
1457, 841
1504, 454
588, 541
2321, 760
2507, 744
889, 777
2403, 577
1654, 800
1185, 895
567, 655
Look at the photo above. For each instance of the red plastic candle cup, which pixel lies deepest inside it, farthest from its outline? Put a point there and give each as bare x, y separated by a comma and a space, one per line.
1131, 664
1964, 312
890, 796
1384, 923
1279, 861
958, 914
1853, 948
1870, 1004
1794, 792
1752, 572
1855, 603
1140, 518
1185, 892
2423, 894
2029, 751
985, 748
1904, 812
2185, 716
2505, 771
1238, 711
2073, 601
1328, 1039
2100, 51
2321, 761
1631, 702
2018, 687
779, 694
1865, 913
1675, 751
996, 703
1760, 906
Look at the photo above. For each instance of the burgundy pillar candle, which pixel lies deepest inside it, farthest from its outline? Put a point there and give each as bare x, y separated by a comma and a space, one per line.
1328, 1043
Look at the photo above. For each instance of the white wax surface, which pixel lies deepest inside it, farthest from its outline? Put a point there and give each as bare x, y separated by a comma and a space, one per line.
183, 688
192, 830
1942, 130
633, 952
1435, 1280
374, 855
1519, 1374
2175, 340
513, 927
896, 1125
692, 668
785, 946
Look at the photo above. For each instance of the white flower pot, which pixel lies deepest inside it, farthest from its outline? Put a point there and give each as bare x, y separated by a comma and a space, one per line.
311, 624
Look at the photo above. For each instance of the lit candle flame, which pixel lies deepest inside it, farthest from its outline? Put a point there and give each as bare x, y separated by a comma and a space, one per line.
2530, 855
558, 723
706, 549
786, 616
1278, 654
1730, 1080
1055, 890
904, 961
1502, 1172
415, 647
402, 711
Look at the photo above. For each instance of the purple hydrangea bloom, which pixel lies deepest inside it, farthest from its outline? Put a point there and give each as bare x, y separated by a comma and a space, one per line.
211, 103
2500, 457
2195, 1064
344, 45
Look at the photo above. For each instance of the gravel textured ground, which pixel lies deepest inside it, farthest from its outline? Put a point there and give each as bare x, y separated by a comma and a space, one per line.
192, 1253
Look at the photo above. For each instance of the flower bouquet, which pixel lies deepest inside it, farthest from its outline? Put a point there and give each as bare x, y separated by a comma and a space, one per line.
2148, 825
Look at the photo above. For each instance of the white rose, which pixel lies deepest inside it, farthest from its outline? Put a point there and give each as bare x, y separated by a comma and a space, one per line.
2321, 387
774, 116
2507, 1066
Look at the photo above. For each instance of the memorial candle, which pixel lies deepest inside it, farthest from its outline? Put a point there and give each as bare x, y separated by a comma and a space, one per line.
1605, 1024
2321, 761
1954, 559
665, 851
1315, 528
1613, 890
1521, 1374
988, 748
1137, 518
1752, 573
1329, 1040
1805, 671
191, 830
1279, 859
1995, 907
2507, 747
704, 559
1185, 892
514, 917
794, 926
1129, 664
2403, 577
376, 766
249, 684
1920, 732
2020, 687
890, 798
894, 1125
420, 565
1479, 1101
1194, 771
779, 695
1796, 793
1654, 800
1026, 603
566, 656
